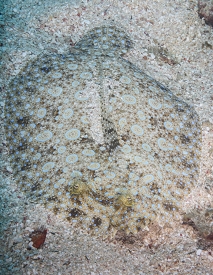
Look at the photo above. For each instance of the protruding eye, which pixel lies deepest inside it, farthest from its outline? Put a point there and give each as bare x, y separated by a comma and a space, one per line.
125, 199
78, 188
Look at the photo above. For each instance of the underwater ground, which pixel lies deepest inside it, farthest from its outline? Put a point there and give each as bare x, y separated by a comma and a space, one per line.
174, 46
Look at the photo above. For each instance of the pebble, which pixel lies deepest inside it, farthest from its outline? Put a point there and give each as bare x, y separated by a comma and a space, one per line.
199, 251
17, 239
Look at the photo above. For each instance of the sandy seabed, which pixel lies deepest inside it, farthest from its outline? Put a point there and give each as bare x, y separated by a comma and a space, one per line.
171, 44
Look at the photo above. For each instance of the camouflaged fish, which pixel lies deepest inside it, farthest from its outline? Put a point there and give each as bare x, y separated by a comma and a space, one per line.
97, 140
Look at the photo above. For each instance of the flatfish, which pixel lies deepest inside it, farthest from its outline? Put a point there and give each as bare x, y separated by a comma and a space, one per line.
97, 140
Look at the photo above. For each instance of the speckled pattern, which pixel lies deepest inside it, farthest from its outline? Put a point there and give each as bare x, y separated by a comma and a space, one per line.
99, 141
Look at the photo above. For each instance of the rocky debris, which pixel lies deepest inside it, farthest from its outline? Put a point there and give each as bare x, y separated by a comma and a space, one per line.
201, 221
205, 10
38, 237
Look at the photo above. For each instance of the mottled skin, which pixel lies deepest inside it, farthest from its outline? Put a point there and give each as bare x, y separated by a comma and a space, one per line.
99, 141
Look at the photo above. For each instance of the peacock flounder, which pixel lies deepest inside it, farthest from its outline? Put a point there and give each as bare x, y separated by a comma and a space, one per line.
97, 140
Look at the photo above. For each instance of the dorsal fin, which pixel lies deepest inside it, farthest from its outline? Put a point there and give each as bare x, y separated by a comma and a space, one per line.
110, 134
104, 42
109, 131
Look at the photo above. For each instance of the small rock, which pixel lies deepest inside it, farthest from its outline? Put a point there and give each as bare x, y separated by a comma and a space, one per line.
9, 260
17, 240
199, 251
9, 169
211, 120
209, 237
37, 257
28, 228
38, 237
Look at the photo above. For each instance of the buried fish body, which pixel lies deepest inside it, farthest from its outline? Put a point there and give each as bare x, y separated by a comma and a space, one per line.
97, 140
